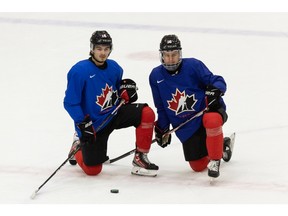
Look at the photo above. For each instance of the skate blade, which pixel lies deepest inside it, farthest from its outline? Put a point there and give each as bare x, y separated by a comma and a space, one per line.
212, 181
143, 172
232, 137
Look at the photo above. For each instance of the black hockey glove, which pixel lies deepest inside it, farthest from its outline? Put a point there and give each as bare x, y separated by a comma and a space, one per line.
162, 140
128, 90
87, 131
213, 95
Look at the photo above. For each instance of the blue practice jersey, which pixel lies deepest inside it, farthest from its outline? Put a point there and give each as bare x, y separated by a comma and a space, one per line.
180, 96
91, 90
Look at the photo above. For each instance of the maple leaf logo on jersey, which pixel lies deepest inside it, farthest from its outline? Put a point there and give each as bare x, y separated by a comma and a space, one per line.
108, 98
182, 102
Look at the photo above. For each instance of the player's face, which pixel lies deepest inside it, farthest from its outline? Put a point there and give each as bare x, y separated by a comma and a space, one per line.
171, 57
101, 53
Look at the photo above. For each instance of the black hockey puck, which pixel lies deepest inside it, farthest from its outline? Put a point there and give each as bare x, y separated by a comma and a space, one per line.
114, 191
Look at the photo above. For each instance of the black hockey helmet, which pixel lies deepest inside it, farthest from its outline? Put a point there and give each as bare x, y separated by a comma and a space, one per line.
100, 37
170, 42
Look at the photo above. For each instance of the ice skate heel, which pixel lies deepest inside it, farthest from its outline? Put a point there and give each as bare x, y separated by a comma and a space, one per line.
228, 147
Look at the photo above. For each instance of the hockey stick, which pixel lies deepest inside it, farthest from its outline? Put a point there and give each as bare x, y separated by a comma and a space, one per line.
166, 134
78, 147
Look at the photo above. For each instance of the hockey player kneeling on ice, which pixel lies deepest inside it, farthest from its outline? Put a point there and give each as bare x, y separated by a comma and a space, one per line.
94, 90
181, 88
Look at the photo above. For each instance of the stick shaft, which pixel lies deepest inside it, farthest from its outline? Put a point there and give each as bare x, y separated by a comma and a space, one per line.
154, 140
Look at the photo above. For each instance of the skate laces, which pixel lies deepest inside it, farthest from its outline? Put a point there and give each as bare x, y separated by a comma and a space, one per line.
141, 160
142, 156
213, 165
145, 158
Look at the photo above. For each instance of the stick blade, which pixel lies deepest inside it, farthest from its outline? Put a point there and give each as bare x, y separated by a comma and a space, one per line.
33, 195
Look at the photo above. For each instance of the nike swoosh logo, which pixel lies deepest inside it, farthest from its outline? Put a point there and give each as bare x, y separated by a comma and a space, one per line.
159, 81
91, 76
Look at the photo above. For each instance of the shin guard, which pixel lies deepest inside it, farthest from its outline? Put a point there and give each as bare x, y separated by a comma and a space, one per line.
144, 132
213, 122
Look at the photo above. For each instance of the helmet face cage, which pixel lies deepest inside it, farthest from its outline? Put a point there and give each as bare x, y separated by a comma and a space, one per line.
170, 43
171, 67
100, 38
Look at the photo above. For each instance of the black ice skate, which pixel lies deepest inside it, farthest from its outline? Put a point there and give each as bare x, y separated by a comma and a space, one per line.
213, 168
75, 144
142, 166
228, 147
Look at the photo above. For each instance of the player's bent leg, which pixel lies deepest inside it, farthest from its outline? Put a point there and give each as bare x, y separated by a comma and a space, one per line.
199, 165
144, 133
213, 122
89, 170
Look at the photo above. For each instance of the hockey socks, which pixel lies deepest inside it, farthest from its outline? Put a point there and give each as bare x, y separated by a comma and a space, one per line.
144, 131
214, 140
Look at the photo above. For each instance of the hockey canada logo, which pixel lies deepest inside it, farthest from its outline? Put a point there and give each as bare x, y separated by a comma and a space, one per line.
107, 99
181, 102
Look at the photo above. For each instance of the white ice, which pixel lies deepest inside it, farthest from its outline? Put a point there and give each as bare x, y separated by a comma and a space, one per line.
248, 49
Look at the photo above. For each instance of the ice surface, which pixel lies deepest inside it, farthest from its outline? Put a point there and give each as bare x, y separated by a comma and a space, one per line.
248, 49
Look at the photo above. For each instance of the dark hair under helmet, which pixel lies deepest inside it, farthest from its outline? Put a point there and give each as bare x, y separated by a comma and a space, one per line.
100, 37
